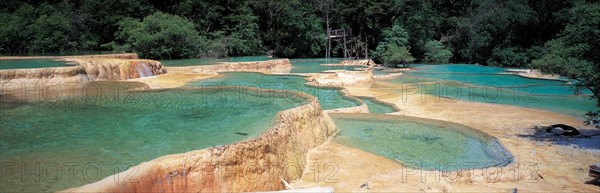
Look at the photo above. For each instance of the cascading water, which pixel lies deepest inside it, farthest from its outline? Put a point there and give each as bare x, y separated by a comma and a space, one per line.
143, 69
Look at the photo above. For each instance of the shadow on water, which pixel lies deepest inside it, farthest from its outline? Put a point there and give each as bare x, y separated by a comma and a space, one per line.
585, 139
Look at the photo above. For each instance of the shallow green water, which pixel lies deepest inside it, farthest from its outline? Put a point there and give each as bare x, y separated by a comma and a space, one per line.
31, 63
377, 107
328, 98
313, 65
209, 61
100, 136
484, 84
248, 59
381, 72
421, 143
68, 53
492, 77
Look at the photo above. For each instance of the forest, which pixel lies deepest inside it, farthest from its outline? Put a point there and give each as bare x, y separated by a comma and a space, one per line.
508, 33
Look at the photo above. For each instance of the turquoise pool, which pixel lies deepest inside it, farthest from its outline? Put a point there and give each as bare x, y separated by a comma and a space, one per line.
486, 84
313, 65
377, 107
493, 77
329, 98
31, 63
99, 136
421, 143
209, 61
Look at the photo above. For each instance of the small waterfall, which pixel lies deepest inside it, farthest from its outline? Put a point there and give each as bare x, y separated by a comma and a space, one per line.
143, 70
147, 69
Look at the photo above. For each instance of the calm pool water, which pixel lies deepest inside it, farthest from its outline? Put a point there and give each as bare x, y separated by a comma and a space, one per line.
313, 65
74, 142
485, 84
209, 61
492, 77
377, 107
67, 53
328, 98
421, 143
31, 63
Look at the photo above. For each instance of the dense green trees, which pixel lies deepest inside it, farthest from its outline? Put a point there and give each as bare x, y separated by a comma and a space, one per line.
436, 53
396, 56
494, 32
394, 49
158, 36
42, 28
575, 53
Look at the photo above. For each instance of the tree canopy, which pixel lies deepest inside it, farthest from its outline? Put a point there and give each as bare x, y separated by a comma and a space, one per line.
494, 32
158, 36
575, 52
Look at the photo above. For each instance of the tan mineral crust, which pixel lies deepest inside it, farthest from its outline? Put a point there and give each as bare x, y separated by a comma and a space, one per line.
537, 166
179, 76
341, 78
85, 69
533, 73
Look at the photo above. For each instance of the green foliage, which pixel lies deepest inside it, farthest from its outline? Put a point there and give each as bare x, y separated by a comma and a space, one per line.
508, 57
494, 32
435, 52
50, 33
575, 52
422, 21
395, 55
159, 36
243, 31
394, 38
102, 17
14, 35
43, 29
291, 28
489, 24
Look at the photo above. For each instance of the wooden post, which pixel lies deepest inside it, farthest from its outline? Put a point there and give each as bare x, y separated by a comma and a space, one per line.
366, 49
345, 50
327, 54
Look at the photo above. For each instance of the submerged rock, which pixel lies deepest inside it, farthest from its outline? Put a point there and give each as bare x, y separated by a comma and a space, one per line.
565, 130
240, 133
595, 170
